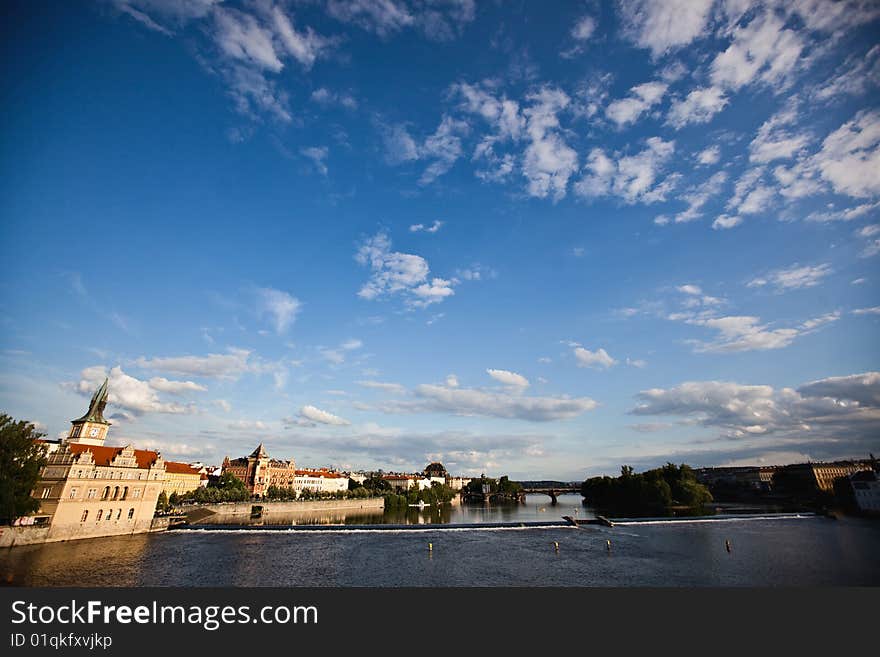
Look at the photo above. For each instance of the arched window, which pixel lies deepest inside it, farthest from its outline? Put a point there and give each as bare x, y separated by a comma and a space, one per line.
106, 493
119, 514
85, 516
100, 513
125, 492
116, 492
109, 514
130, 514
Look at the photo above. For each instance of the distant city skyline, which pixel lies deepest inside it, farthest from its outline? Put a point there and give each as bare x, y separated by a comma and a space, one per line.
541, 242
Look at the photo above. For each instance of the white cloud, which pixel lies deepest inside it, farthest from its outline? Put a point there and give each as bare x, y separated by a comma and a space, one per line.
318, 156
281, 307
739, 333
548, 162
774, 141
664, 25
241, 37
641, 98
314, 414
469, 402
223, 405
174, 387
850, 156
699, 106
584, 27
433, 228
324, 96
399, 273
452, 381
632, 177
598, 359
394, 388
380, 16
230, 365
793, 278
508, 378
854, 77
131, 395
709, 155
443, 147
337, 355
762, 50
874, 310
846, 214
835, 408
697, 196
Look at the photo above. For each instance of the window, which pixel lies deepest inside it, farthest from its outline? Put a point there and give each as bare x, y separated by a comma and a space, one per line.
125, 492
92, 493
72, 493
100, 513
85, 516
109, 514
130, 514
106, 493
116, 492
119, 514
137, 493
46, 492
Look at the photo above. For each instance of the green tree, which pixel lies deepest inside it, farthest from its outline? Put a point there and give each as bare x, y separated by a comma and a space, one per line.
21, 460
162, 502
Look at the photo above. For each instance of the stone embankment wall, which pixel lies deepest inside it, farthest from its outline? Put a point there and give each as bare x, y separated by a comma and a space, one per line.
34, 534
244, 509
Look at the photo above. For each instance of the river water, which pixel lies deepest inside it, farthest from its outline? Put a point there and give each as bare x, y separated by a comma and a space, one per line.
783, 551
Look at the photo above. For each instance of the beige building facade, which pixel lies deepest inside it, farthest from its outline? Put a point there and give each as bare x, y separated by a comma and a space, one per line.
88, 489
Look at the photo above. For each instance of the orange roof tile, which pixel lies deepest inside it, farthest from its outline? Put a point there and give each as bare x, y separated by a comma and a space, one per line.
180, 468
103, 455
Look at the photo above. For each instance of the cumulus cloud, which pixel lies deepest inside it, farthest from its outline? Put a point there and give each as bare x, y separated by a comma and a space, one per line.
548, 161
442, 148
395, 273
633, 177
837, 407
664, 25
314, 414
850, 156
584, 27
131, 395
775, 140
709, 155
699, 106
793, 278
696, 197
508, 378
433, 228
641, 98
598, 359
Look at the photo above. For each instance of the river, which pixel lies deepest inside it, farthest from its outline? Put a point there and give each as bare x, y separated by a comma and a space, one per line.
783, 551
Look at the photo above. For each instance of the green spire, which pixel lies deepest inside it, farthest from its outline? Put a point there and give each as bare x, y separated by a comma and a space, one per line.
96, 406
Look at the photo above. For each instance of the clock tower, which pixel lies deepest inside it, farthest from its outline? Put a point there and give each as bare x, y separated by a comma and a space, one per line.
91, 428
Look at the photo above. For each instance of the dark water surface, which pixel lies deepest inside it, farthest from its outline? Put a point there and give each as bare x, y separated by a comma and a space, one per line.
806, 551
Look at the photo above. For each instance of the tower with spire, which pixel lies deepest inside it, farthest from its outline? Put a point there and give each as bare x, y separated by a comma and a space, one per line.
91, 428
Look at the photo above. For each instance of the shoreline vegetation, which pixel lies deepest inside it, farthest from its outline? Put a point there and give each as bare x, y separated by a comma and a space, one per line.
662, 492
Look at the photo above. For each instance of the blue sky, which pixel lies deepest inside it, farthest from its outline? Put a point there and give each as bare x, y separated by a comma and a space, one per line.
541, 241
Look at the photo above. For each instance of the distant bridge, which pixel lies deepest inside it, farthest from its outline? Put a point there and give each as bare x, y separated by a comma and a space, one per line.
553, 492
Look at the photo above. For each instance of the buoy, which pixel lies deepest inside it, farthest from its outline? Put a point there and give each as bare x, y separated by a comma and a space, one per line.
608, 544
430, 547
556, 545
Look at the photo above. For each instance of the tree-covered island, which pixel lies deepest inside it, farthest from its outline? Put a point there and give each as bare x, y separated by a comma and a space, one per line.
670, 490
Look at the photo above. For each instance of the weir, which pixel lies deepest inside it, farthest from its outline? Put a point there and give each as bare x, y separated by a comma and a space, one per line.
379, 527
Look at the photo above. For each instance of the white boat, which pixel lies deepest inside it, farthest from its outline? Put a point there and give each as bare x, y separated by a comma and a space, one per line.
421, 504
